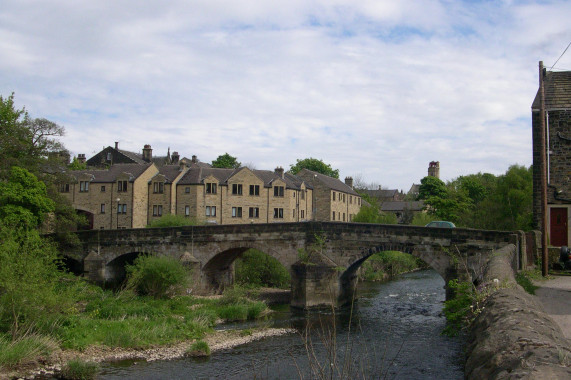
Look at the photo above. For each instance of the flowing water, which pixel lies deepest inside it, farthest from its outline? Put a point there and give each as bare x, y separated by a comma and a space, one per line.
392, 332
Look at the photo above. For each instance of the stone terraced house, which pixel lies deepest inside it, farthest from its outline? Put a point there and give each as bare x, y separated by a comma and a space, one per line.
557, 89
335, 201
123, 189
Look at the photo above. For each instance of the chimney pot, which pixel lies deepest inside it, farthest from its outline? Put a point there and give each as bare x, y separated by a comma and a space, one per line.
147, 153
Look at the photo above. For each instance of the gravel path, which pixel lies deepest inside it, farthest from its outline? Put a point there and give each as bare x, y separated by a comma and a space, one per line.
555, 297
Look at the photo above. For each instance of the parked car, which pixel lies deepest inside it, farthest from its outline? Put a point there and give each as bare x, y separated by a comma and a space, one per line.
441, 224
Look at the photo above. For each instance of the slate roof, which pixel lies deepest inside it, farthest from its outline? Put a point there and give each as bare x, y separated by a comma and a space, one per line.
136, 157
196, 176
111, 174
330, 182
402, 205
170, 172
557, 91
381, 194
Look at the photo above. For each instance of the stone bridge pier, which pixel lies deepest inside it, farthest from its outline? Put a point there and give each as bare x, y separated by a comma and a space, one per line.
323, 258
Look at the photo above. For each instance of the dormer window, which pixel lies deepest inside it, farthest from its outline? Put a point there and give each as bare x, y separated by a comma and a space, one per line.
278, 191
83, 186
121, 186
158, 187
211, 188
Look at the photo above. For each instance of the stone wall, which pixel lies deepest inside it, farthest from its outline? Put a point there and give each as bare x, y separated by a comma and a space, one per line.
513, 337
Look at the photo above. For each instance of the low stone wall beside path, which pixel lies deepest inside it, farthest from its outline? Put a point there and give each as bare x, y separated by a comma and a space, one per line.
513, 338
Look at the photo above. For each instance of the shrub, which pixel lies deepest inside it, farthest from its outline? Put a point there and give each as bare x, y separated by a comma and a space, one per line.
523, 279
79, 370
24, 349
255, 268
156, 275
199, 348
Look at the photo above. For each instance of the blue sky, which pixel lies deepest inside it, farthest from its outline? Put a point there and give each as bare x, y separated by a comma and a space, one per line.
377, 88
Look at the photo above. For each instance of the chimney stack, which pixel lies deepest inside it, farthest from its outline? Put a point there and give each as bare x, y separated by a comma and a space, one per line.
349, 181
147, 153
194, 159
174, 158
81, 158
280, 172
116, 144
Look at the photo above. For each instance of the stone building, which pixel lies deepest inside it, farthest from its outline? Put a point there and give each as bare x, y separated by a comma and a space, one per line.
112, 198
557, 89
236, 196
384, 195
333, 199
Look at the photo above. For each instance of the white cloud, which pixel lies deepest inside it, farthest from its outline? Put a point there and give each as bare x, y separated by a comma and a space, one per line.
377, 88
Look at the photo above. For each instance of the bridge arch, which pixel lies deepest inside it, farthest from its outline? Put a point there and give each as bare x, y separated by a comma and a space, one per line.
436, 259
218, 272
115, 270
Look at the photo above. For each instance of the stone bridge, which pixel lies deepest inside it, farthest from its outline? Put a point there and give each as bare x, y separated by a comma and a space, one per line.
337, 251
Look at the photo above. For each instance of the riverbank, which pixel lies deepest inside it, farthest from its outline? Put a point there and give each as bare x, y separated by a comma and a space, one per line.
217, 341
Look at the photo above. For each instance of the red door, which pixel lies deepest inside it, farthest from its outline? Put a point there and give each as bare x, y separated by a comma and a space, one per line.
558, 226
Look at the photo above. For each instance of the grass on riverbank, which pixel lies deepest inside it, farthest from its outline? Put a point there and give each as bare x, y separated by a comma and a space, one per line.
125, 320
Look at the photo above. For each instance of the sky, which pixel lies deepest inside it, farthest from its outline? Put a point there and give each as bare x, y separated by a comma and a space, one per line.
376, 89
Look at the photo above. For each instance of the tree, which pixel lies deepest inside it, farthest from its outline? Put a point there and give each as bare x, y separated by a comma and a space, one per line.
226, 161
315, 165
431, 187
371, 214
23, 200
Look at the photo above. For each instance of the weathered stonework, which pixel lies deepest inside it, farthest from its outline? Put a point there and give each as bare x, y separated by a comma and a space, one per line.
346, 246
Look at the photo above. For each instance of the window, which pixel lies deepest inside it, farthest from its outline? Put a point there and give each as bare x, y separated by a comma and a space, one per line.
293, 214
254, 189
102, 189
278, 213
158, 187
237, 189
187, 189
121, 186
333, 216
122, 208
350, 199
254, 212
293, 192
157, 210
343, 198
278, 191
109, 156
302, 213
343, 216
303, 194
64, 188
359, 201
103, 208
186, 210
83, 186
211, 188
339, 197
236, 212
334, 195
210, 210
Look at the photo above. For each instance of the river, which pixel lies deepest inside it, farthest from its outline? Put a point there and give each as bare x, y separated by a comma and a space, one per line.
392, 332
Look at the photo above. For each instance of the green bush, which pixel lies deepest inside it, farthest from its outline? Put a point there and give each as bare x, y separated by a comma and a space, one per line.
156, 276
199, 348
255, 268
79, 370
387, 264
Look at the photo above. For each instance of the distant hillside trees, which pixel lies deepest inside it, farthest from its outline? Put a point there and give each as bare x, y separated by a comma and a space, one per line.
482, 200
